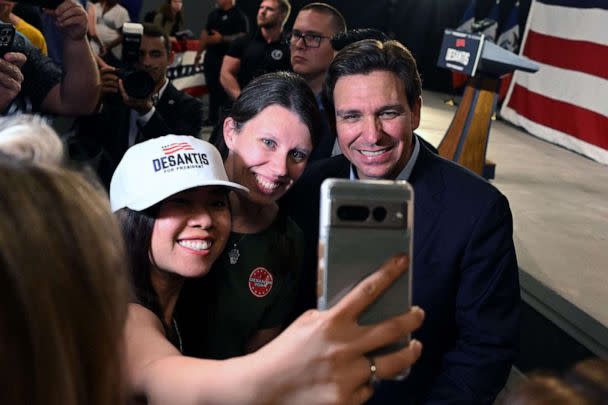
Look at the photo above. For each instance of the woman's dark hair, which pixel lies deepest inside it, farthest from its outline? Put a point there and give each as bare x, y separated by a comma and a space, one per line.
285, 89
136, 228
165, 10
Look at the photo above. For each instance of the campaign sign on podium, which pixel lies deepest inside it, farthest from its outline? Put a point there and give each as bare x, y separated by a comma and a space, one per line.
466, 139
460, 51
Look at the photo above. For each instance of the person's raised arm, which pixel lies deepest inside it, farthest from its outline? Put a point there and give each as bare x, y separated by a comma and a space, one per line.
92, 32
157, 371
202, 45
320, 358
230, 69
78, 92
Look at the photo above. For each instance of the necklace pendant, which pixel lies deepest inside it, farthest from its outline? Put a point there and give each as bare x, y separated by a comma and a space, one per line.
233, 255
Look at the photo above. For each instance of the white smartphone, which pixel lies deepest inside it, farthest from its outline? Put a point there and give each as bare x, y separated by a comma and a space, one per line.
363, 223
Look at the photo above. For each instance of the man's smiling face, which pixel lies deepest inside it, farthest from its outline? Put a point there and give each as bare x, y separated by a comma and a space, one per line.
375, 123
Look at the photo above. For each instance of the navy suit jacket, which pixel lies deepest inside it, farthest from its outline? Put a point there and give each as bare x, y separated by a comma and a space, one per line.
108, 132
465, 277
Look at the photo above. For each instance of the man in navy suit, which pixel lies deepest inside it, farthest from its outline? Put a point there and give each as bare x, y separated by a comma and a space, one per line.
124, 120
465, 273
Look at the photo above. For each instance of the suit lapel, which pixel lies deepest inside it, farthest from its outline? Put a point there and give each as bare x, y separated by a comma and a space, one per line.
428, 184
167, 100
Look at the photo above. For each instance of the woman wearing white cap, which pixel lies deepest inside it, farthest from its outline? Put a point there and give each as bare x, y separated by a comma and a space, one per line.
171, 198
250, 295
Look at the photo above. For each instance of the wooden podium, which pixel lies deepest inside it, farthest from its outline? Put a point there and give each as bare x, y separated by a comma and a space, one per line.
466, 139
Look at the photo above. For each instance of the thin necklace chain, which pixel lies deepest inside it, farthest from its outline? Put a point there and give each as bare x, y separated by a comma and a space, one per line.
235, 252
179, 336
240, 240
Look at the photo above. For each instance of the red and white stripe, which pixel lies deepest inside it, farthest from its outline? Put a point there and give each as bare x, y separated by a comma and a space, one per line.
566, 101
176, 147
184, 54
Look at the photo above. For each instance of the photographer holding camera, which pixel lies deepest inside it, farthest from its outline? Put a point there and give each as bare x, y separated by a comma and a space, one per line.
31, 82
138, 102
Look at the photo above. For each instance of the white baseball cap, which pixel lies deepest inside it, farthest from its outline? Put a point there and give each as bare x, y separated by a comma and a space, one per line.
156, 169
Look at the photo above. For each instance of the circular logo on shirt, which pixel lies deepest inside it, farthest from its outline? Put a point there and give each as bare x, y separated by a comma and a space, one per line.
260, 282
277, 54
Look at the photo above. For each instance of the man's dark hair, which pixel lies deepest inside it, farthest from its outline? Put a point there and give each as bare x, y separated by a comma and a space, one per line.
151, 30
342, 39
339, 23
370, 55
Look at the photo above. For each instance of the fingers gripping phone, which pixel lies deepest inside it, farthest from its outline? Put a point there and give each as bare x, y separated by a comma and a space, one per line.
362, 224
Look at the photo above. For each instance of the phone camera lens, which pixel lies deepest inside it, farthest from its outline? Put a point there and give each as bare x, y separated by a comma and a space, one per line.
353, 213
379, 213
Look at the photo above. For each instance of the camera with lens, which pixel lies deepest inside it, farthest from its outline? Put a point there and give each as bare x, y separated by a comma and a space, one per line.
7, 35
137, 83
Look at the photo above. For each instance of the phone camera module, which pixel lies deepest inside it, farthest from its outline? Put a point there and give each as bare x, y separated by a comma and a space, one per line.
379, 214
356, 213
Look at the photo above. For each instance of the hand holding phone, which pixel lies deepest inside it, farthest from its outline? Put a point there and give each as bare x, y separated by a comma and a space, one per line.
362, 224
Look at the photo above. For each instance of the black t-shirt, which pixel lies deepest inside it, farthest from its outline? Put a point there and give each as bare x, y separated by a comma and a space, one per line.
258, 57
219, 313
228, 22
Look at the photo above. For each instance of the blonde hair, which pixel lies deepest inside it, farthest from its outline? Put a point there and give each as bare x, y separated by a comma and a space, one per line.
30, 137
63, 289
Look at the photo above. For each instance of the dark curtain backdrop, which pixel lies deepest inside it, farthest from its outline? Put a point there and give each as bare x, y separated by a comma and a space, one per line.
419, 24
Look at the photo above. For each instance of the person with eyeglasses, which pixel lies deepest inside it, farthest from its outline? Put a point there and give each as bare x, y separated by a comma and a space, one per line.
264, 51
311, 54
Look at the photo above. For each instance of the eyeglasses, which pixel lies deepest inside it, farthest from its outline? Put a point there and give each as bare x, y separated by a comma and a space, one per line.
310, 40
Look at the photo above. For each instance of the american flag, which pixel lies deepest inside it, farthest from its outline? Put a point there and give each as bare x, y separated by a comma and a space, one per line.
176, 147
566, 101
184, 74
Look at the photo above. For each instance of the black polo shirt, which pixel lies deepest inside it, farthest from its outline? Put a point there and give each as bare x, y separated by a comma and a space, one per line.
226, 22
258, 57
